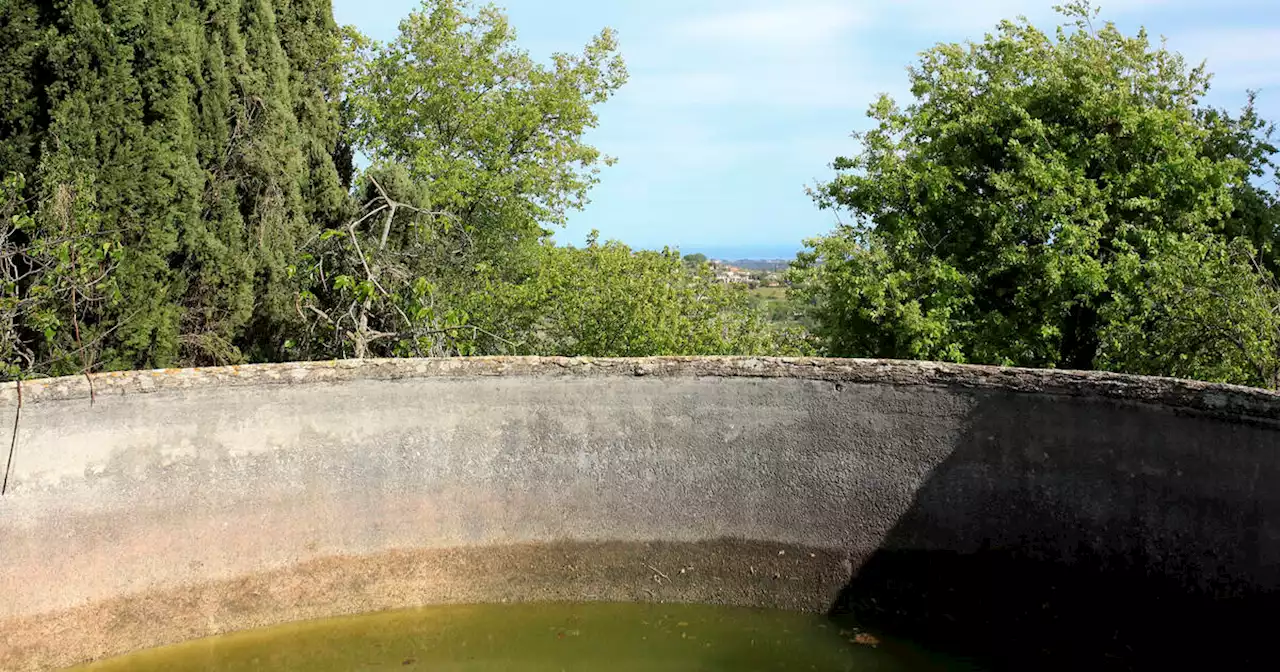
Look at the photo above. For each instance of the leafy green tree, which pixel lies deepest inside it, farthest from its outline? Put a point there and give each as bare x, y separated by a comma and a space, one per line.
62, 267
607, 300
494, 135
1208, 309
1023, 209
476, 149
371, 289
1256, 211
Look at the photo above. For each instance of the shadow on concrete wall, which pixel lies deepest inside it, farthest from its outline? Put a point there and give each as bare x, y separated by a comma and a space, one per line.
1083, 534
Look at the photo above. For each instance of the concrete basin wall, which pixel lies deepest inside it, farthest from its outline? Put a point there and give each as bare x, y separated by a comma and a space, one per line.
1066, 518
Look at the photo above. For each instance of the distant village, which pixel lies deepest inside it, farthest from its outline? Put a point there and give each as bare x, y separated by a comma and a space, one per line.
768, 274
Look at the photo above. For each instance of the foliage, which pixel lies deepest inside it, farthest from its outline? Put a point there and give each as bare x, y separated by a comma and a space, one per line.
1209, 310
370, 292
179, 190
177, 186
1256, 212
1030, 206
494, 137
864, 304
475, 147
777, 304
54, 268
195, 141
606, 300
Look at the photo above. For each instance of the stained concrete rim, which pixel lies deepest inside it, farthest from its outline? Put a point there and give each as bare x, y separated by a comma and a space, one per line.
1211, 398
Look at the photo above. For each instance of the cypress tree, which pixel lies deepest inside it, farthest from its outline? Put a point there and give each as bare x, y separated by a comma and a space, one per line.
202, 133
23, 78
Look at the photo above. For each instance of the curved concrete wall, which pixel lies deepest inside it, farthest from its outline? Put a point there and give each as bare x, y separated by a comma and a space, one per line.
1017, 514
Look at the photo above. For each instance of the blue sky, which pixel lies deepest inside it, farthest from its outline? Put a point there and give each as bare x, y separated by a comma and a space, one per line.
733, 107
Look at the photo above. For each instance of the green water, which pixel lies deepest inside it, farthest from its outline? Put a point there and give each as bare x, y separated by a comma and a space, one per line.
538, 637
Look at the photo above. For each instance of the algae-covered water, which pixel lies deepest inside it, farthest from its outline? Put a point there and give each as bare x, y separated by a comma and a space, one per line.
543, 637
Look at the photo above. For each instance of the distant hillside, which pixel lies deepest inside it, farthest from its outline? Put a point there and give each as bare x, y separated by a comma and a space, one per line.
754, 252
757, 264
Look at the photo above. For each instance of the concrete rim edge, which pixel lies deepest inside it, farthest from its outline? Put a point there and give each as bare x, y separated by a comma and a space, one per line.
1212, 398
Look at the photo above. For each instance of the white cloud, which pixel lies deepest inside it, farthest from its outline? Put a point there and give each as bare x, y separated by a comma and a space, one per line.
765, 86
705, 88
794, 24
815, 54
772, 53
970, 19
1239, 57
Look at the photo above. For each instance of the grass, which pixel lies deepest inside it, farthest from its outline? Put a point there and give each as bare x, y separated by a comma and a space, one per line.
771, 293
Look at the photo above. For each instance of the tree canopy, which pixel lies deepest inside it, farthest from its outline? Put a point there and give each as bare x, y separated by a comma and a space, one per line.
226, 181
164, 159
607, 300
1053, 201
179, 187
496, 135
477, 151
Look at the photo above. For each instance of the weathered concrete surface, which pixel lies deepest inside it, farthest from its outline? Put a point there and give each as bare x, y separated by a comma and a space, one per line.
186, 503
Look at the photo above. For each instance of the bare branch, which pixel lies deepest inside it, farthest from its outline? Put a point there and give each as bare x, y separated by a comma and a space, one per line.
396, 205
323, 315
375, 211
356, 241
382, 192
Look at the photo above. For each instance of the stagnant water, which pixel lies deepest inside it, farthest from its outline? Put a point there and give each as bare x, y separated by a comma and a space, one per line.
538, 637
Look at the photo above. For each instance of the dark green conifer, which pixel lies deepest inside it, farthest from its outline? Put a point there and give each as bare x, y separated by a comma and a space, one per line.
202, 133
